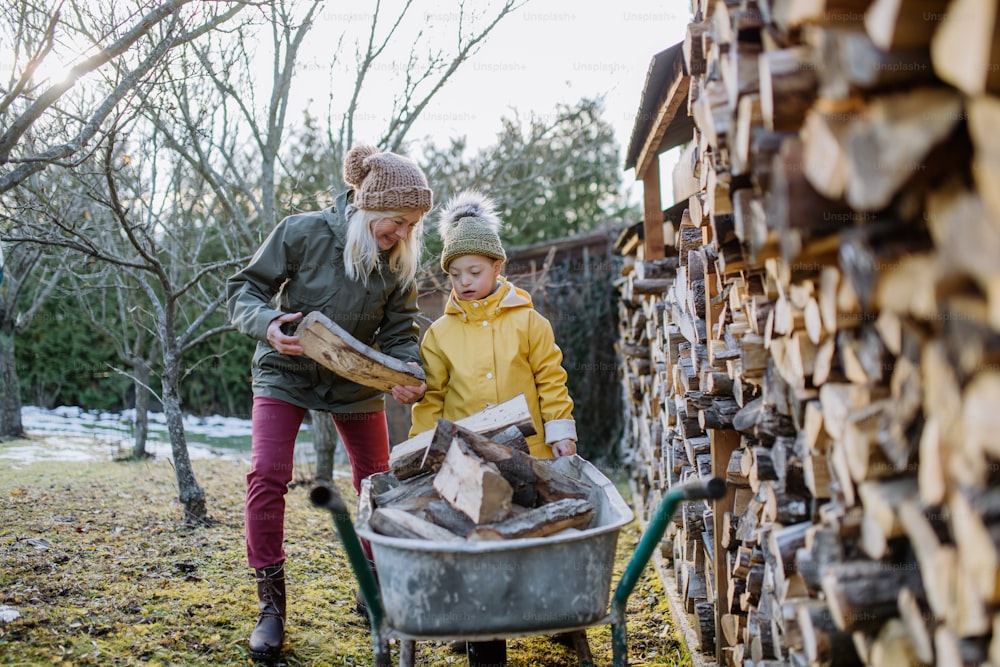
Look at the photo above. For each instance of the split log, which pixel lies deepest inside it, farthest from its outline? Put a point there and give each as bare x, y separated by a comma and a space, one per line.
964, 47
822, 548
893, 647
420, 454
881, 522
953, 649
975, 518
398, 523
792, 15
822, 641
511, 437
883, 154
327, 343
416, 487
704, 612
862, 594
984, 117
539, 522
553, 485
891, 26
443, 514
788, 85
514, 465
853, 63
782, 545
916, 616
473, 486
928, 532
763, 421
797, 211
694, 54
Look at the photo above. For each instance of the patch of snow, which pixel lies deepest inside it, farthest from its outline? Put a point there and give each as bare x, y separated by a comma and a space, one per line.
72, 434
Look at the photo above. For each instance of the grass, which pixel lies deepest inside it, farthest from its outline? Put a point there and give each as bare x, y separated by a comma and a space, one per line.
96, 560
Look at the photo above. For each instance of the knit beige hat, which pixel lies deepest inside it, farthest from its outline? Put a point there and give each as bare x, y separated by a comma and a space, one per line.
385, 181
469, 226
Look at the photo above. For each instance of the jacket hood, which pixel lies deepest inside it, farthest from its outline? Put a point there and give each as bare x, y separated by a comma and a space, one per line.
507, 295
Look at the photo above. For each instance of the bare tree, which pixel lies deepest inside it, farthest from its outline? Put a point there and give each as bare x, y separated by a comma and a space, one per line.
73, 67
23, 260
163, 248
113, 303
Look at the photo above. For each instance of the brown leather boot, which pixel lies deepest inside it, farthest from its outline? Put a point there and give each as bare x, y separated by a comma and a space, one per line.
269, 633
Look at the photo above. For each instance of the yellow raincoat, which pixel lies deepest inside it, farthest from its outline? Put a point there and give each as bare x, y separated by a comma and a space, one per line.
480, 353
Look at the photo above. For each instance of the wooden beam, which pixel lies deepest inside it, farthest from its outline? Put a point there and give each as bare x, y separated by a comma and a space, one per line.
722, 444
652, 212
676, 96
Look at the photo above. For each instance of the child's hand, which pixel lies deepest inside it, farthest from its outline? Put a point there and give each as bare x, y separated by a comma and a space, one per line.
407, 394
564, 447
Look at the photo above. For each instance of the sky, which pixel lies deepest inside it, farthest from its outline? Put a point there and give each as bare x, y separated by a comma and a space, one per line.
554, 51
547, 52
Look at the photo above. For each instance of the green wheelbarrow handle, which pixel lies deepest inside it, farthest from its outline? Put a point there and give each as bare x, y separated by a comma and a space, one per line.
710, 489
327, 497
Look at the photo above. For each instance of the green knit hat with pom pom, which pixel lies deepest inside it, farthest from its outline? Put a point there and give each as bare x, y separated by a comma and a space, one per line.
469, 226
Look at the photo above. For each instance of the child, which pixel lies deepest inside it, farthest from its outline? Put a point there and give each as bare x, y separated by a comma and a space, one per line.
490, 344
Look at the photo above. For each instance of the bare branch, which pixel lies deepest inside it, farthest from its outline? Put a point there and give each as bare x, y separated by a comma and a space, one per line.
371, 53
44, 48
188, 340
21, 124
38, 162
24, 318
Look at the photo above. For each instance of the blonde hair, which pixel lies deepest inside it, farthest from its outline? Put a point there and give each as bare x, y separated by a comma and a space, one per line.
362, 254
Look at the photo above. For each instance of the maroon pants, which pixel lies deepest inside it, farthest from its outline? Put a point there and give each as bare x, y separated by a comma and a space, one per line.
274, 425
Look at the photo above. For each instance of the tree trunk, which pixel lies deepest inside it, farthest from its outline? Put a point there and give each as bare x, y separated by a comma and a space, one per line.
10, 391
190, 494
325, 438
141, 409
398, 420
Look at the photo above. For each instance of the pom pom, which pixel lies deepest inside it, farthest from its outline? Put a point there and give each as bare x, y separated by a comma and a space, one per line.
468, 204
355, 168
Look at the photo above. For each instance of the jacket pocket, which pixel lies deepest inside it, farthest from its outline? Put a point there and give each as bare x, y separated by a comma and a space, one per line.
295, 297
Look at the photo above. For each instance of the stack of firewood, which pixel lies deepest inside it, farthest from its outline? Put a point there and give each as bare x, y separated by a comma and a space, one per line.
475, 480
830, 335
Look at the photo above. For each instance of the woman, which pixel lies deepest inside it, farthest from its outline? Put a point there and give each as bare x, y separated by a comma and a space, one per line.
356, 263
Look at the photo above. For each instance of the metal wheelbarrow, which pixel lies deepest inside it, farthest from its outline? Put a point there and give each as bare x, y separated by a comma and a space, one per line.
485, 590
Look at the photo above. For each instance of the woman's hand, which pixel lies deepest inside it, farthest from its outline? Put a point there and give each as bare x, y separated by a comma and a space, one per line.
407, 394
564, 447
281, 342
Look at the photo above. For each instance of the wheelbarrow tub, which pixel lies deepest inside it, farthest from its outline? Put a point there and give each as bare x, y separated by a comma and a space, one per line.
482, 589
